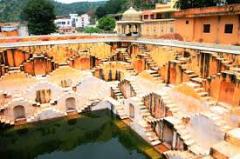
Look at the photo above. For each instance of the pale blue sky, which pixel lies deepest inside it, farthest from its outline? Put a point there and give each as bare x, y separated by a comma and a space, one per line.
71, 1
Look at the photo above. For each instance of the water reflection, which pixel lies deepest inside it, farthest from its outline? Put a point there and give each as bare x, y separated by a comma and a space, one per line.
93, 136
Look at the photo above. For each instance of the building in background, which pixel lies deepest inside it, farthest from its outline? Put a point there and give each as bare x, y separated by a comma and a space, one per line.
156, 23
159, 22
210, 25
70, 23
217, 24
13, 29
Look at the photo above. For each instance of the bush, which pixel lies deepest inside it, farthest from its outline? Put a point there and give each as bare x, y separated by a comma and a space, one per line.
106, 23
92, 30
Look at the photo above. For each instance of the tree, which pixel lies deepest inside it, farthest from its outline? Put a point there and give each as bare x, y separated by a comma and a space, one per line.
91, 30
111, 7
232, 1
185, 4
106, 23
119, 6
40, 16
100, 12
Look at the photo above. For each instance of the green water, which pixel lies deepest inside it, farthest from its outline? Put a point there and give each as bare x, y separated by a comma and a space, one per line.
96, 135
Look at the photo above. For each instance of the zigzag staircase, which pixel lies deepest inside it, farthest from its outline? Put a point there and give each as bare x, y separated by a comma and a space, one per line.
152, 137
118, 96
195, 82
172, 154
180, 127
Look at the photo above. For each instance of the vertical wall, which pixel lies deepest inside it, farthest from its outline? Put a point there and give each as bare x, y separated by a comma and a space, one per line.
191, 29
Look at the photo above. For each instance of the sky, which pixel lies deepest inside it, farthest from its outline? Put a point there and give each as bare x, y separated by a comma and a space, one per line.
71, 1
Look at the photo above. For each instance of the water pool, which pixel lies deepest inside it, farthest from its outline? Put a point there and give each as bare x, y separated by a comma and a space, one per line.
96, 135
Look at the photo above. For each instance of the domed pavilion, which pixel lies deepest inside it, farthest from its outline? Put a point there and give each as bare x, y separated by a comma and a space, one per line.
130, 24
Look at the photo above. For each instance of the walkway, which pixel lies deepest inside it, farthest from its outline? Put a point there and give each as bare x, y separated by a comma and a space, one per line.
161, 42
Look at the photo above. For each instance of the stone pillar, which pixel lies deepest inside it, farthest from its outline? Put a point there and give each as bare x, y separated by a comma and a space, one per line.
10, 59
236, 97
174, 140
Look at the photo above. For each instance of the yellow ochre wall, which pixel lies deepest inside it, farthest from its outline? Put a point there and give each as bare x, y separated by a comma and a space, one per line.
193, 31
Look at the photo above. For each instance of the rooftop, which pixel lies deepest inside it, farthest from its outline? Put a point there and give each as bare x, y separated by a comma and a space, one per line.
131, 15
209, 11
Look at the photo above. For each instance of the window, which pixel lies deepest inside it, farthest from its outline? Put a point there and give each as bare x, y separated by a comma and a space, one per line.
152, 16
206, 28
159, 16
166, 15
187, 22
228, 28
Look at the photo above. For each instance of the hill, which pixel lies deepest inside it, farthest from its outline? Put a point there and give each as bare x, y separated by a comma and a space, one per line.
119, 6
10, 10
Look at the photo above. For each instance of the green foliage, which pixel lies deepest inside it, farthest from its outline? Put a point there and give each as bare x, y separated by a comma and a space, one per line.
78, 7
106, 23
185, 4
143, 4
92, 30
232, 1
117, 6
111, 7
40, 16
101, 11
10, 10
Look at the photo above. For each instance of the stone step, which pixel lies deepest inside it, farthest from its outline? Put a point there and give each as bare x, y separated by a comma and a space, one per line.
144, 110
197, 80
183, 131
153, 138
189, 142
226, 128
189, 71
211, 103
193, 75
155, 75
203, 94
175, 109
193, 84
207, 98
196, 150
200, 89
156, 142
146, 113
179, 127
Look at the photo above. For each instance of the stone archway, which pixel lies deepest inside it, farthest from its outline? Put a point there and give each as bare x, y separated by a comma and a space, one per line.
186, 54
70, 104
131, 111
167, 135
19, 112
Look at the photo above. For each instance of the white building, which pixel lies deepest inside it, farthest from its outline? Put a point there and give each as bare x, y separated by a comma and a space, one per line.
63, 22
13, 29
74, 21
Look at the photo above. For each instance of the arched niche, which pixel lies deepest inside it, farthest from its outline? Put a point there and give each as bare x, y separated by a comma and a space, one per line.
70, 104
19, 112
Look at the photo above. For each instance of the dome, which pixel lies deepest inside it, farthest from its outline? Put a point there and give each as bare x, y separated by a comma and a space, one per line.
131, 15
